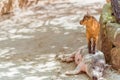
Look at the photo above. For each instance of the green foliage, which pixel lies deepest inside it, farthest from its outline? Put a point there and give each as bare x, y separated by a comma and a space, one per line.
106, 15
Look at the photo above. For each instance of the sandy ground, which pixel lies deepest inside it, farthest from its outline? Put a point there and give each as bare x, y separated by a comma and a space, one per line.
30, 40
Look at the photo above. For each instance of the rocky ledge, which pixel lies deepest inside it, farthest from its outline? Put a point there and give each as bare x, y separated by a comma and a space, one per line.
109, 41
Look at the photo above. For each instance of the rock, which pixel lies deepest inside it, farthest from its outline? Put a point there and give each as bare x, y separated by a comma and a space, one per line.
109, 40
7, 6
115, 58
113, 32
104, 43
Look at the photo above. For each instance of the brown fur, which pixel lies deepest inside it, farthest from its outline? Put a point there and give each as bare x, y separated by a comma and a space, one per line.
92, 31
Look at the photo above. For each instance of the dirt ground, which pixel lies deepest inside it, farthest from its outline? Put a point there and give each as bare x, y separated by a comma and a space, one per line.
30, 40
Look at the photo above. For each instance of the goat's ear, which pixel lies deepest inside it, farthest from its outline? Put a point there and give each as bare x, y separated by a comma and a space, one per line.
107, 66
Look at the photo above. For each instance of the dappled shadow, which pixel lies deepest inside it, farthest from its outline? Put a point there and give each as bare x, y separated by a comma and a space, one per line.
30, 40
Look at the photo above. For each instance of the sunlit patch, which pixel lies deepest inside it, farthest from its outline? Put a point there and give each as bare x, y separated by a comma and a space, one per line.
6, 51
51, 59
36, 24
55, 29
53, 47
87, 2
79, 39
54, 77
56, 21
113, 75
47, 23
65, 47
4, 38
36, 78
26, 67
48, 66
42, 30
67, 22
66, 33
62, 6
7, 55
5, 21
29, 63
20, 13
20, 20
25, 30
20, 37
46, 56
32, 71
63, 75
9, 74
51, 55
69, 25
13, 31
6, 64
14, 70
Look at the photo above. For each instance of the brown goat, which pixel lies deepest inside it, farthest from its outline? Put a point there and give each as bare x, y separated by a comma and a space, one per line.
92, 31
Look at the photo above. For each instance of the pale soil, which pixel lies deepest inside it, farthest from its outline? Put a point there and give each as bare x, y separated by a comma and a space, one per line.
30, 40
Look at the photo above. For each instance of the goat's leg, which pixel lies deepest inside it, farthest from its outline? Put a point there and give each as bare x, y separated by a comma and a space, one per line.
94, 45
89, 46
68, 58
77, 70
88, 42
95, 40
